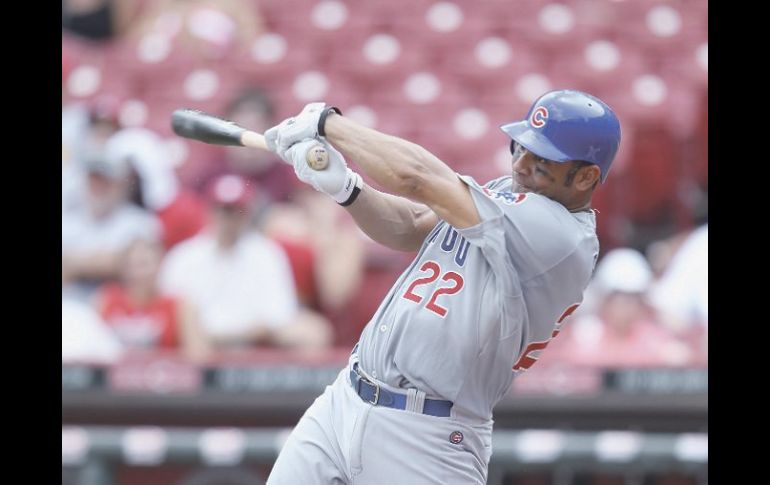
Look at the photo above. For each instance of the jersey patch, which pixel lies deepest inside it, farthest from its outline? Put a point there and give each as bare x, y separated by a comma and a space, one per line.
506, 197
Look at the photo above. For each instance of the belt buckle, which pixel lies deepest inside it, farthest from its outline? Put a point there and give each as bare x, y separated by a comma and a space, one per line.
376, 386
376, 394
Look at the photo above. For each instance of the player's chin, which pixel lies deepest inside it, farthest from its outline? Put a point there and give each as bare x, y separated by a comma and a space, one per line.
520, 189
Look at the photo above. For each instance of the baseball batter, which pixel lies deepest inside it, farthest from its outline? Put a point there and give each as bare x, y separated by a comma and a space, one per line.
500, 267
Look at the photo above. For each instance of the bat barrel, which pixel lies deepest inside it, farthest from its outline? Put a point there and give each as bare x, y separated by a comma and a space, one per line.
197, 125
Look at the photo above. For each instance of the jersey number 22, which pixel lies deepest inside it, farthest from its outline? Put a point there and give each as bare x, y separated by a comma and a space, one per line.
455, 281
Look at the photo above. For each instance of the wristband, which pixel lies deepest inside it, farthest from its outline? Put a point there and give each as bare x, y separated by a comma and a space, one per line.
322, 118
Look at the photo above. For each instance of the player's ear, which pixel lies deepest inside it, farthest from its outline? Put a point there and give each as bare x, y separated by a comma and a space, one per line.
587, 177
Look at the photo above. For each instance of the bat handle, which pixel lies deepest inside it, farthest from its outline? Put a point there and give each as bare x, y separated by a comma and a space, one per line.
253, 139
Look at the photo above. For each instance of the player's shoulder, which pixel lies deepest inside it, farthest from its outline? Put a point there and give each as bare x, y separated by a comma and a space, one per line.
500, 183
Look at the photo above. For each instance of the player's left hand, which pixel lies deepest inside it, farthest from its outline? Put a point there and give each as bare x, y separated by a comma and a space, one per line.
296, 128
336, 180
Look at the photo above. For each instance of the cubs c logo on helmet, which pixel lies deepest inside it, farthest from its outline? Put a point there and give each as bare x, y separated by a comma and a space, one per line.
539, 117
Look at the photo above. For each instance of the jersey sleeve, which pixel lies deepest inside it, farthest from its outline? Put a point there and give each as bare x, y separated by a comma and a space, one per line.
519, 233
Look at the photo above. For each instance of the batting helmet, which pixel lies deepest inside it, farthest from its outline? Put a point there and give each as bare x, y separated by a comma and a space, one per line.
569, 125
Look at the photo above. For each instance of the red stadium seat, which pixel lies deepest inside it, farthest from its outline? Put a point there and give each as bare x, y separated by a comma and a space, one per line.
519, 93
320, 27
689, 62
390, 15
423, 94
599, 65
503, 17
89, 71
489, 62
658, 26
653, 99
554, 27
315, 85
376, 57
443, 26
273, 61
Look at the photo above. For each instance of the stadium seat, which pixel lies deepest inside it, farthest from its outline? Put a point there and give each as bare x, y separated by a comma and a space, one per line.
599, 65
554, 27
488, 62
657, 26
376, 57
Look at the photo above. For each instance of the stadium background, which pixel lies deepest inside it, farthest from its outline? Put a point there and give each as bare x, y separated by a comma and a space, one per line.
445, 75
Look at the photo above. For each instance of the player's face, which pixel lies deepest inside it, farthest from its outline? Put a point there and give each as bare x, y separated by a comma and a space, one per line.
532, 173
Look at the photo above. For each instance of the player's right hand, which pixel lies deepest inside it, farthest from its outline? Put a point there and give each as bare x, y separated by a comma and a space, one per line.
336, 180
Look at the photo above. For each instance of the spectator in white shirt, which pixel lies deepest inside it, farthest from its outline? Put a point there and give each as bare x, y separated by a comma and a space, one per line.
95, 234
240, 282
85, 337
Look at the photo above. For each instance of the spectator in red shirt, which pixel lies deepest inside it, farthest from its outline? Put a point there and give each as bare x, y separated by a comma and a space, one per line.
140, 315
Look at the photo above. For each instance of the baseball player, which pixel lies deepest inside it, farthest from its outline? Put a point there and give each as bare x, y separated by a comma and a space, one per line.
499, 268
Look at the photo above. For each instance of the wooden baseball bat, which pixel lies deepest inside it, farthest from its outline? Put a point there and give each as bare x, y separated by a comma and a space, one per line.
207, 128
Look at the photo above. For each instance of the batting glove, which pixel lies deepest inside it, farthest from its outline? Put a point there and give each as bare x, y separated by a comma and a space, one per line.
336, 180
308, 123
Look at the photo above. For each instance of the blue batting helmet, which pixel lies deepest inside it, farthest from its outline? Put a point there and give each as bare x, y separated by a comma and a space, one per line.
569, 125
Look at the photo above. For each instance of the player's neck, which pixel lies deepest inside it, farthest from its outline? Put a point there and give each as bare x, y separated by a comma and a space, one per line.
585, 208
579, 206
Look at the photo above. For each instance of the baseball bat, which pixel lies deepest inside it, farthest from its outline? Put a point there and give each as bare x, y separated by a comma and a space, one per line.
207, 128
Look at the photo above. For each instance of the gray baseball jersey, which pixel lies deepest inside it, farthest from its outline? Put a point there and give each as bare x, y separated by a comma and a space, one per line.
478, 305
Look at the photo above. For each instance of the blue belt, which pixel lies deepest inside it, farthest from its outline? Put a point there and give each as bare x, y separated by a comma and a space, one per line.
374, 394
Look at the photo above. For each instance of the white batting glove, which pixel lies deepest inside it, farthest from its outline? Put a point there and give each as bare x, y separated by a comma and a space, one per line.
336, 180
295, 128
271, 139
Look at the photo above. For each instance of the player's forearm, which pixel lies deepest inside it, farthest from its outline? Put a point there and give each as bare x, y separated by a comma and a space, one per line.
401, 167
394, 222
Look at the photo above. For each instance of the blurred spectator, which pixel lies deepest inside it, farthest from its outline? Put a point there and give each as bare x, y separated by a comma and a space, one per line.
239, 281
681, 293
94, 235
155, 186
139, 315
85, 130
98, 20
623, 330
327, 254
254, 110
84, 336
